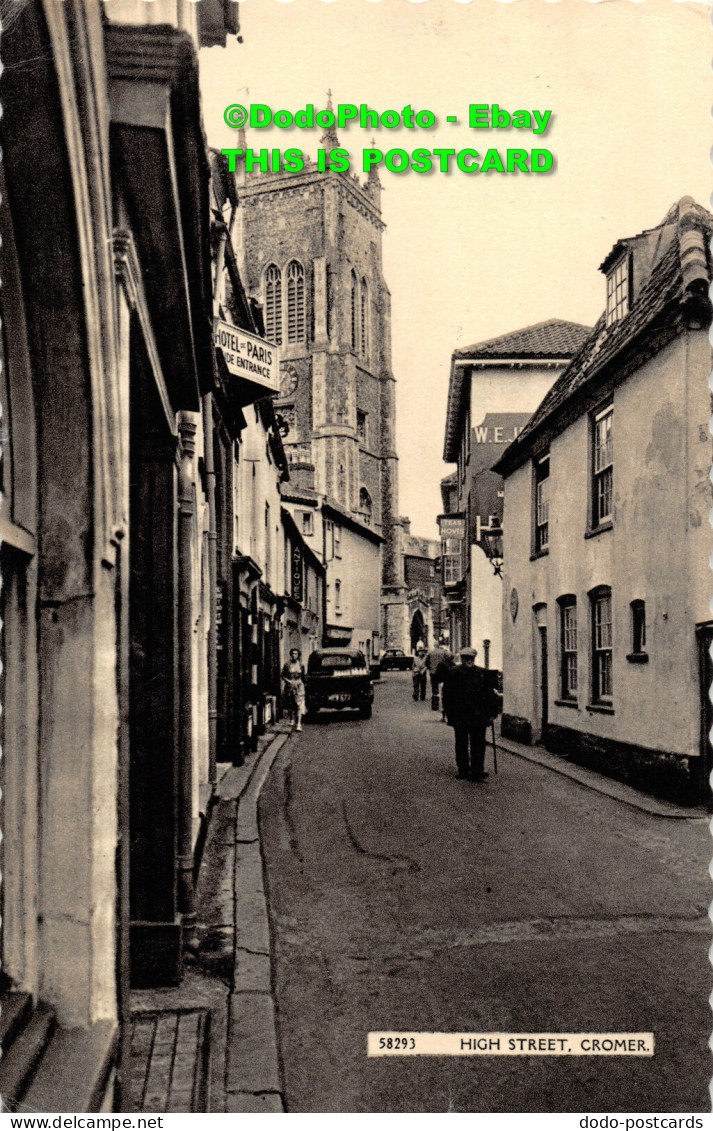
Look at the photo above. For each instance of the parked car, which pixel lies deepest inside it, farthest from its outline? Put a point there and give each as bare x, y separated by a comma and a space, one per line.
395, 660
339, 678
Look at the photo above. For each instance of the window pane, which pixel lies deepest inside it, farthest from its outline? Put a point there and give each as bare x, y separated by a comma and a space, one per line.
570, 628
569, 650
571, 674
542, 503
603, 639
618, 292
603, 450
605, 673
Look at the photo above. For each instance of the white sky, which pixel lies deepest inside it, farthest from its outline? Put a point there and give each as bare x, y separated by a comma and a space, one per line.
470, 257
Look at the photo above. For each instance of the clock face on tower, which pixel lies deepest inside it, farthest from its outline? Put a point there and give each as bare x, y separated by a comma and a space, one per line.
289, 379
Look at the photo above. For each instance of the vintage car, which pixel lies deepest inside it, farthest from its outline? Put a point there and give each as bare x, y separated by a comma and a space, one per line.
339, 678
396, 660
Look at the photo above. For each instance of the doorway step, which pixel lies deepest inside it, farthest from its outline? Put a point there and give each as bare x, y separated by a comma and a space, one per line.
45, 1068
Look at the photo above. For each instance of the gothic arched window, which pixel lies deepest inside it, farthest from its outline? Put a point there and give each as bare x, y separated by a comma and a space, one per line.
273, 304
355, 312
365, 506
295, 302
364, 319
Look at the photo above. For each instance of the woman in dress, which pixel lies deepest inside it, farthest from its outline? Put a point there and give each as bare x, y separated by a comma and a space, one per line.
293, 683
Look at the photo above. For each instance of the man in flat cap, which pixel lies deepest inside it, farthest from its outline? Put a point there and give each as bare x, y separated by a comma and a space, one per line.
468, 701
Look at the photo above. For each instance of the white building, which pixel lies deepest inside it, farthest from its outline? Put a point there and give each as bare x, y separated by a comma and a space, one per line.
494, 388
607, 618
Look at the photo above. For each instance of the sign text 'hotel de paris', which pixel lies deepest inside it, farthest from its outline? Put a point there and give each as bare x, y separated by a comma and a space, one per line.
248, 356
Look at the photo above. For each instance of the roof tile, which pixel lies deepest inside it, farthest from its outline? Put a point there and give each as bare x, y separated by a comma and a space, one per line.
665, 283
552, 338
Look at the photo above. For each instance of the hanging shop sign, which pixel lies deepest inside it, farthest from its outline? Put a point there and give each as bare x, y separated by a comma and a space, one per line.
297, 573
451, 527
248, 357
219, 617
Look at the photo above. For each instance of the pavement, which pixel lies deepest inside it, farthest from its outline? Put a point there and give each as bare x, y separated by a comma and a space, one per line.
211, 1044
600, 784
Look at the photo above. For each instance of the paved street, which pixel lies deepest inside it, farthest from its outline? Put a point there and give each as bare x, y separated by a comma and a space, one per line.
403, 898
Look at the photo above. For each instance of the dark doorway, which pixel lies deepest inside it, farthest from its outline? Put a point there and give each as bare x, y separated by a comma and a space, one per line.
544, 687
704, 636
418, 630
155, 932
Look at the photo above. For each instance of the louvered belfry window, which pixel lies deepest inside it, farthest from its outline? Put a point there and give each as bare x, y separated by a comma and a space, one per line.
355, 311
273, 304
364, 319
295, 302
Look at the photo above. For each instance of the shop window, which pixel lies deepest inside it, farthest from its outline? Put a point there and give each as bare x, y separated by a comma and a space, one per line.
452, 559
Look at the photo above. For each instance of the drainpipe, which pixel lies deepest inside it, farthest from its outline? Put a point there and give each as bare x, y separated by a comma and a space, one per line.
186, 895
207, 404
209, 459
254, 667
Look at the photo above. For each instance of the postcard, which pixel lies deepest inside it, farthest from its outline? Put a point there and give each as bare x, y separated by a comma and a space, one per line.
356, 597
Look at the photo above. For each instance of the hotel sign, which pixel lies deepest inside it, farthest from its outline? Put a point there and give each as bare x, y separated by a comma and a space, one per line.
248, 356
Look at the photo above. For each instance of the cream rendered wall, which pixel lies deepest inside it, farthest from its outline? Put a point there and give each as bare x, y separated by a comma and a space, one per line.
498, 389
519, 574
200, 600
657, 551
486, 609
503, 388
360, 602
256, 488
700, 456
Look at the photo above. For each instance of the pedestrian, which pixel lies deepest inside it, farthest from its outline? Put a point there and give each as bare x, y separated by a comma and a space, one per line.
444, 668
433, 659
419, 673
470, 707
293, 677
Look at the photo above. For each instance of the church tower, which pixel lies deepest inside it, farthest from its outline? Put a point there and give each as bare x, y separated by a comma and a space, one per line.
310, 253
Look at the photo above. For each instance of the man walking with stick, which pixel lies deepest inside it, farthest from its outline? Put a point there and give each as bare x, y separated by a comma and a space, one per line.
470, 706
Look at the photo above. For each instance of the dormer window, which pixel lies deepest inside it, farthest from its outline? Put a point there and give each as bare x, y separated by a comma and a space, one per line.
618, 290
